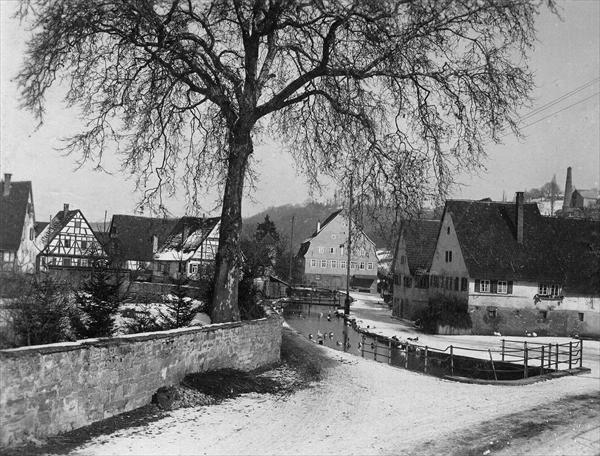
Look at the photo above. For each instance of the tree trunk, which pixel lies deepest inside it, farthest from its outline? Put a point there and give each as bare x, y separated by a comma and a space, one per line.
227, 265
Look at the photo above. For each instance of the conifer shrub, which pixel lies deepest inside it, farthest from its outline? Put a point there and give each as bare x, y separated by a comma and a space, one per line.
445, 310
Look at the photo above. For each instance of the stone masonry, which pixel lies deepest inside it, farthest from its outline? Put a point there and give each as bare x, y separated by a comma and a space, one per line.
45, 390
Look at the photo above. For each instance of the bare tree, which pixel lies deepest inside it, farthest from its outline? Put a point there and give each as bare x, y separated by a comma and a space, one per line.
396, 93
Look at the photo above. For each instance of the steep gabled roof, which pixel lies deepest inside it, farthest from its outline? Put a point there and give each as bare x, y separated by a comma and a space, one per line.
13, 208
39, 227
189, 233
421, 239
486, 233
588, 194
58, 222
132, 236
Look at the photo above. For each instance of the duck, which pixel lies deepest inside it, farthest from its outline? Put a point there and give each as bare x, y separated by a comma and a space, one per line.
413, 339
331, 335
338, 343
310, 336
496, 333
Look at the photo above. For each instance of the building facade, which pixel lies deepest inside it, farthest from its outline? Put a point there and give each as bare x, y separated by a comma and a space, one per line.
190, 249
413, 253
17, 226
323, 257
68, 243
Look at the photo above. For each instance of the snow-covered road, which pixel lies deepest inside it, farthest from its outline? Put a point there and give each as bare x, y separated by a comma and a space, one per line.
361, 407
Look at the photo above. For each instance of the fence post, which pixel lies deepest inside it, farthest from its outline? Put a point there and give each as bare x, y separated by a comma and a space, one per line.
549, 356
451, 360
389, 351
362, 347
525, 359
570, 355
556, 356
426, 350
503, 349
406, 357
375, 351
580, 353
493, 367
542, 362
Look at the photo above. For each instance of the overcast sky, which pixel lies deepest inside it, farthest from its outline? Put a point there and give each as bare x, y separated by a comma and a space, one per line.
566, 61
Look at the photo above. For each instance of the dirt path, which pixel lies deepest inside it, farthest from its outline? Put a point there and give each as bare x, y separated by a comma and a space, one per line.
360, 407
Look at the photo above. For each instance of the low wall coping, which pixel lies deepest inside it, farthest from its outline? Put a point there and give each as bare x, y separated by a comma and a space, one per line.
126, 338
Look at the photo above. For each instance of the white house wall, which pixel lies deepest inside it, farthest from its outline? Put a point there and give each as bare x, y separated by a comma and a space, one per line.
25, 261
448, 242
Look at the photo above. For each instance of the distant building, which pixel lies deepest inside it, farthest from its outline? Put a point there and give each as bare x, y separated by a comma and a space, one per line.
133, 240
323, 257
68, 243
412, 260
579, 203
17, 226
190, 248
519, 271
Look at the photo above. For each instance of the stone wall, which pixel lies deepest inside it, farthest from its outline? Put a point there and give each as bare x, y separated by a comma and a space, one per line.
53, 388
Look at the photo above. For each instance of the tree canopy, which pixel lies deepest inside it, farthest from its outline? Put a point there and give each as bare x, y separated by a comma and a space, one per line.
396, 94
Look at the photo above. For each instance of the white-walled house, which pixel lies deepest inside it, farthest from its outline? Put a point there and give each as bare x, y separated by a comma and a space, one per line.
17, 226
518, 270
323, 257
68, 243
190, 248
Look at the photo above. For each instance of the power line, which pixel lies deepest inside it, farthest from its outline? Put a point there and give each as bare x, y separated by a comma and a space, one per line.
560, 110
559, 99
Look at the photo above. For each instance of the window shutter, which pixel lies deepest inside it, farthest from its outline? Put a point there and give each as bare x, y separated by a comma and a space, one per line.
477, 285
509, 287
494, 286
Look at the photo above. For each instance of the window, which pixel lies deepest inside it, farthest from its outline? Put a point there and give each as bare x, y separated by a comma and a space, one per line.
334, 264
313, 263
321, 249
84, 245
343, 264
370, 266
492, 312
448, 256
323, 263
362, 265
67, 243
353, 265
580, 316
31, 232
77, 224
448, 230
543, 314
422, 281
407, 281
193, 268
84, 263
402, 259
67, 262
332, 250
464, 284
485, 286
341, 250
455, 283
502, 286
549, 289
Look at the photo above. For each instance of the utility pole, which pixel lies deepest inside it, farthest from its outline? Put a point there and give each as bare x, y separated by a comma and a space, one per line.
347, 301
291, 252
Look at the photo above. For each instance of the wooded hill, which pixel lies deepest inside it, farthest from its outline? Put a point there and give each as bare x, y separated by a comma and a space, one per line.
305, 223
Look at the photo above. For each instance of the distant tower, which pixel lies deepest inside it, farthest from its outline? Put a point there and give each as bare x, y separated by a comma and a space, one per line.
568, 190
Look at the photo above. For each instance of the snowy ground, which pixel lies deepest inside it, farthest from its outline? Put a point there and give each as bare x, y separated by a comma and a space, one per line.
361, 407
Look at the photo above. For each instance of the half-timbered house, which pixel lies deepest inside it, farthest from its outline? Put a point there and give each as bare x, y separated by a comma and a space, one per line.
190, 249
68, 242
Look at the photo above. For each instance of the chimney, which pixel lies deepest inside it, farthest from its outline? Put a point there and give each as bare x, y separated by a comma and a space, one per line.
519, 217
568, 190
318, 225
7, 177
65, 209
154, 243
